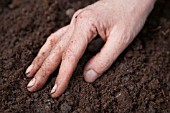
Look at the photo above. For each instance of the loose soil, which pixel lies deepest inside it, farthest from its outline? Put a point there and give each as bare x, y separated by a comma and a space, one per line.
138, 81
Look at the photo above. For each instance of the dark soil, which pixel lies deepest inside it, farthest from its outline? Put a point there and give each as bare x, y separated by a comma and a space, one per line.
138, 81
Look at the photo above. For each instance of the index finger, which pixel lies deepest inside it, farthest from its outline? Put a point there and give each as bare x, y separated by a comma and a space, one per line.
76, 47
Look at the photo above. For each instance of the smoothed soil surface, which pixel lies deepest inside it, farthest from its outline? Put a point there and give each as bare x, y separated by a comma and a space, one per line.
138, 81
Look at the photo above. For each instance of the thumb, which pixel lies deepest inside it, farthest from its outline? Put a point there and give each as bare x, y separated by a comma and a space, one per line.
115, 44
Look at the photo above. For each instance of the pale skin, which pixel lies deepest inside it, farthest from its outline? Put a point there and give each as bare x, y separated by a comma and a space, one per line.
116, 21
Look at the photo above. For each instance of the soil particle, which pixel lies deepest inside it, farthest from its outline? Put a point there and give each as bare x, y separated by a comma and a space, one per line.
154, 84
65, 108
70, 12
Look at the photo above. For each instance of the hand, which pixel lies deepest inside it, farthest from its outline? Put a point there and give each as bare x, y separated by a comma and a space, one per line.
116, 21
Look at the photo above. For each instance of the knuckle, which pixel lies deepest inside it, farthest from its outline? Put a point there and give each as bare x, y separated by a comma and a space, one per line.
37, 62
104, 65
69, 54
86, 21
59, 48
46, 69
86, 17
77, 13
51, 39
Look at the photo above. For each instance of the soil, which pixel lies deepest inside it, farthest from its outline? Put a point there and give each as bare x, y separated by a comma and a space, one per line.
138, 81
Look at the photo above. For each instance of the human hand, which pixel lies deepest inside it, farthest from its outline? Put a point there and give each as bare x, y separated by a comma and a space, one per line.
116, 21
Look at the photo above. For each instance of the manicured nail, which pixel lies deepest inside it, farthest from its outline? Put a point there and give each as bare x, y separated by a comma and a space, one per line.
31, 83
91, 75
54, 89
28, 69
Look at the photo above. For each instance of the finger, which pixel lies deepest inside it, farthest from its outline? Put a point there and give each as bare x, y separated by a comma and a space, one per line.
115, 44
50, 63
49, 66
44, 52
84, 32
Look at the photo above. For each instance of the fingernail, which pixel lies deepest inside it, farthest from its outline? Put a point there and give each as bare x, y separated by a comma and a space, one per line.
31, 83
91, 76
54, 89
28, 69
